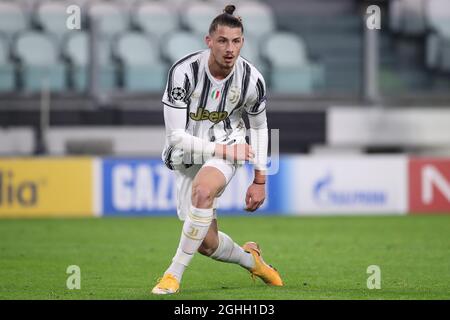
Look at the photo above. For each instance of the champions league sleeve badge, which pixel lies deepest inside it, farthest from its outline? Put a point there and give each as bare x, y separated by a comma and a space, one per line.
178, 93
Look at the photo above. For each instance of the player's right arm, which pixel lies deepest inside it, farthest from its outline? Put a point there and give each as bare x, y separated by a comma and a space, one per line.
175, 121
175, 116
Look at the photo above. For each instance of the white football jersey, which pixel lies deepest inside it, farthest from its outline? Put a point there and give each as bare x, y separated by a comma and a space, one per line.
213, 107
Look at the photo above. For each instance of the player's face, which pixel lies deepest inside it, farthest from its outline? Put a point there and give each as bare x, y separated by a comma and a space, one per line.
225, 44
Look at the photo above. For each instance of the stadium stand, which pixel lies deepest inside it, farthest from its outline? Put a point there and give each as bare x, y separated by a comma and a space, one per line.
110, 16
39, 62
438, 41
259, 19
76, 51
310, 53
198, 16
180, 43
408, 17
142, 68
51, 16
12, 19
156, 18
7, 74
291, 70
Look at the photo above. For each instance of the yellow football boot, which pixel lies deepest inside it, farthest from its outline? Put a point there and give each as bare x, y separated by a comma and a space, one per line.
266, 272
167, 285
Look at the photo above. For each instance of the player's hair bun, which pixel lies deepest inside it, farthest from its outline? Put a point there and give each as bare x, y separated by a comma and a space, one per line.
229, 9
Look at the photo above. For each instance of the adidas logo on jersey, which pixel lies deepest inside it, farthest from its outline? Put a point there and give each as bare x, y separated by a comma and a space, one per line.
214, 116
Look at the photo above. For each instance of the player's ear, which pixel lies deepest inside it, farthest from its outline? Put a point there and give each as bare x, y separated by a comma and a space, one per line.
208, 41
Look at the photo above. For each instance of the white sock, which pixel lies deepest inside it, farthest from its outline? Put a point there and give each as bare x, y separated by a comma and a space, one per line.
229, 251
195, 228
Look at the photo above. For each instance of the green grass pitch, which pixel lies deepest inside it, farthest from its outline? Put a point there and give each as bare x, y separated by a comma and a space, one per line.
318, 258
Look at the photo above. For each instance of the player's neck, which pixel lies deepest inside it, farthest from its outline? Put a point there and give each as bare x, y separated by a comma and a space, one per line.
217, 71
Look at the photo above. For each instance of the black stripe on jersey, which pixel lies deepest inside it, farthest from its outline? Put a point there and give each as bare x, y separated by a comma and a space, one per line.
203, 99
212, 137
227, 123
258, 112
171, 72
205, 92
261, 95
167, 158
186, 84
224, 94
187, 87
194, 67
245, 85
221, 107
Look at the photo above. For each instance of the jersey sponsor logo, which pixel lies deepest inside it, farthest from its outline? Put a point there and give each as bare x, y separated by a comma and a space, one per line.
178, 93
203, 114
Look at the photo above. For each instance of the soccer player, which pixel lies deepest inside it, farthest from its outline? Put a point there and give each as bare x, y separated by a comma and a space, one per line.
206, 94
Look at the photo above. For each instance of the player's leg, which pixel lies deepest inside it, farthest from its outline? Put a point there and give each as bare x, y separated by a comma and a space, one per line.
211, 241
219, 246
205, 186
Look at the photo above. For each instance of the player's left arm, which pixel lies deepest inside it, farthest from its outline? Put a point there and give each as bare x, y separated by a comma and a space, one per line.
256, 193
259, 137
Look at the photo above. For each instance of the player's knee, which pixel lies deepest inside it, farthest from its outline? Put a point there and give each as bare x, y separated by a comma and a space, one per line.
202, 196
206, 249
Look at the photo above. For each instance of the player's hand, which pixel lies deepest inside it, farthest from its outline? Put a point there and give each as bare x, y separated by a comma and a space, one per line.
256, 194
235, 152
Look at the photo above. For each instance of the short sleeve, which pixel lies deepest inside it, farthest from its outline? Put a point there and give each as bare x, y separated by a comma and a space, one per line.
256, 102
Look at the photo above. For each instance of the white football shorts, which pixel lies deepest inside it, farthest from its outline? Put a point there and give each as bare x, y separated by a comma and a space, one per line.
185, 176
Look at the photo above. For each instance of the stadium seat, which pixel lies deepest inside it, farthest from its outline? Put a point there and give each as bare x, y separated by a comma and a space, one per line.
438, 15
7, 79
407, 17
142, 68
155, 18
181, 43
438, 41
112, 17
12, 19
250, 52
197, 16
40, 66
176, 4
76, 50
314, 8
291, 72
52, 17
257, 17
